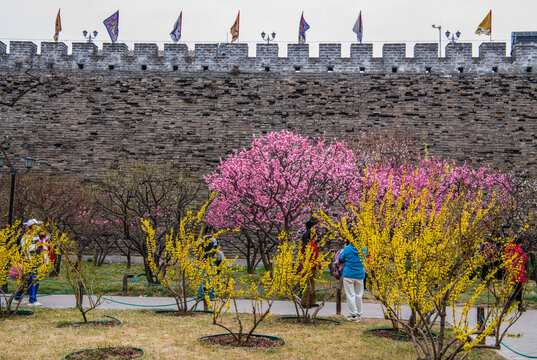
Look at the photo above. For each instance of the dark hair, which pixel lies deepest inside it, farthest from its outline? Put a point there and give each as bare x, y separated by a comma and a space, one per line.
311, 223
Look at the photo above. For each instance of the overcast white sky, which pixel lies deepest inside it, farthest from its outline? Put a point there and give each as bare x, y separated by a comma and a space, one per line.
205, 21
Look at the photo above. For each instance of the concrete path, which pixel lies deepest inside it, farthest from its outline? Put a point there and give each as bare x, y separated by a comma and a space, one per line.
526, 326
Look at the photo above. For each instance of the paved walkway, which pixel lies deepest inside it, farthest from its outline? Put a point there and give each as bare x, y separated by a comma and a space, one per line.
526, 327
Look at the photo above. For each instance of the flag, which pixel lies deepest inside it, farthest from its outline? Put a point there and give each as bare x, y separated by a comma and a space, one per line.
58, 27
357, 28
112, 25
302, 29
176, 32
234, 30
485, 28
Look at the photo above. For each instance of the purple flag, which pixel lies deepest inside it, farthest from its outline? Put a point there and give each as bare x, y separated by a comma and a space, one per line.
112, 25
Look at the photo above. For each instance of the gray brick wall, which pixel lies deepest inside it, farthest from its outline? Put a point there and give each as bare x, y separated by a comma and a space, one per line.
193, 118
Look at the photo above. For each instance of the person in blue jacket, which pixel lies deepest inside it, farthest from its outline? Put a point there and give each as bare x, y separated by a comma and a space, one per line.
353, 280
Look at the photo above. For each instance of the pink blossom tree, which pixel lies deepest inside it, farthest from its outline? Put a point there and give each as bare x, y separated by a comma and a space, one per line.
283, 178
275, 186
441, 178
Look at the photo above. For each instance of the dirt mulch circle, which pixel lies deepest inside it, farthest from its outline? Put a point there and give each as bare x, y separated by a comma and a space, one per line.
391, 333
182, 313
115, 353
312, 322
101, 323
255, 341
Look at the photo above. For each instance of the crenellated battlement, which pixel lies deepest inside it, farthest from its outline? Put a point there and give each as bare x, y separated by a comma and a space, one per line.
232, 57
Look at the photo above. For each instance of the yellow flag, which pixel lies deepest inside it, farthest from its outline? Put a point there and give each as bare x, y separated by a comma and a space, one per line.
485, 28
235, 28
58, 27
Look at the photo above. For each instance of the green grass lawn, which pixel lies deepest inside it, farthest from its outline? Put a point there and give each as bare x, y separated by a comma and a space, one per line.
163, 337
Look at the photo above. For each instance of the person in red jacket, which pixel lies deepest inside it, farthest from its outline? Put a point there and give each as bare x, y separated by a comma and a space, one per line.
515, 272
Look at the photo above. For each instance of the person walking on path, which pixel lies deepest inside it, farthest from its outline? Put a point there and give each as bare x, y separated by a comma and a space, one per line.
516, 272
211, 252
353, 280
31, 246
308, 299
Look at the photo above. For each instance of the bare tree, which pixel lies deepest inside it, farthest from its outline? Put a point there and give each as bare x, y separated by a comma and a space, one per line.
160, 194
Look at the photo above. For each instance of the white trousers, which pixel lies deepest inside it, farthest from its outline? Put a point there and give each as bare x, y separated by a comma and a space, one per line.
354, 290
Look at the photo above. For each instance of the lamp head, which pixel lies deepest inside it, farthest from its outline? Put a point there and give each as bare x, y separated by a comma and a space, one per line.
458, 34
84, 33
448, 33
29, 162
273, 35
263, 35
95, 33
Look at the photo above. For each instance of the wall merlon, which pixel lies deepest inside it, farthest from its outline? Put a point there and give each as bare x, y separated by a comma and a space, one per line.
114, 50
53, 49
206, 52
298, 54
22, 49
145, 50
361, 52
393, 52
330, 52
459, 51
236, 52
84, 50
266, 53
492, 50
525, 55
426, 51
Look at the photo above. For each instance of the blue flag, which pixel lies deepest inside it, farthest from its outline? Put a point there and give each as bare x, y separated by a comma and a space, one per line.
112, 25
176, 32
302, 29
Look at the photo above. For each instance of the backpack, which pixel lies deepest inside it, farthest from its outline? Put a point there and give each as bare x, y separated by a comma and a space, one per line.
337, 266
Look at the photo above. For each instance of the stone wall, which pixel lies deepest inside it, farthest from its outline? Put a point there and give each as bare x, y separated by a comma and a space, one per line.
93, 119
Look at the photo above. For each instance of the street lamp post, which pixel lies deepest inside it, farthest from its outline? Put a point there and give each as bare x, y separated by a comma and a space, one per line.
439, 27
88, 36
29, 162
454, 37
268, 38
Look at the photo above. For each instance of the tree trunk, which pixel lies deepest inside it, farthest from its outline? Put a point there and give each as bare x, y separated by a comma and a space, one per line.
128, 259
57, 263
266, 262
534, 264
149, 274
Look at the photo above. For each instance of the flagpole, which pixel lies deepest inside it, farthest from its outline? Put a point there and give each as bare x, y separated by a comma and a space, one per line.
490, 35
